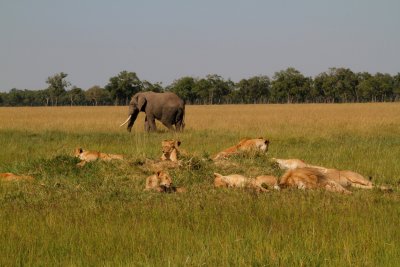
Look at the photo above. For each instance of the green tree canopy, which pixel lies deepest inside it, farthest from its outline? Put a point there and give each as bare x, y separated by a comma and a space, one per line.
123, 86
57, 86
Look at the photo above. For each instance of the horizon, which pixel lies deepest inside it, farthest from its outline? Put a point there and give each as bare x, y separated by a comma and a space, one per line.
93, 41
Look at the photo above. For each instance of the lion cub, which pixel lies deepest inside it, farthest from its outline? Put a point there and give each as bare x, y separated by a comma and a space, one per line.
310, 178
170, 150
9, 177
161, 181
258, 144
88, 156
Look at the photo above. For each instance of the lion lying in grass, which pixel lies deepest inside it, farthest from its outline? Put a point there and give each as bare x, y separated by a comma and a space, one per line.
9, 177
240, 181
246, 144
310, 178
170, 150
291, 164
161, 181
88, 156
344, 178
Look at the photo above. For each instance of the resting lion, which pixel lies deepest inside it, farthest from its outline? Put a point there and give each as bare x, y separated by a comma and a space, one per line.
240, 181
89, 156
161, 181
310, 178
257, 144
9, 177
344, 178
291, 164
170, 150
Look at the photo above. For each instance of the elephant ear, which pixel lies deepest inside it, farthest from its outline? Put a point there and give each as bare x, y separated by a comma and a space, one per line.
141, 102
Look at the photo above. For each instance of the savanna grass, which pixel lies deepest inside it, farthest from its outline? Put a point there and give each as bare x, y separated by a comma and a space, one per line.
99, 214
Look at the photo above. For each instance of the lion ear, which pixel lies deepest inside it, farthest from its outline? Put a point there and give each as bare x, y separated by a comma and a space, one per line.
266, 142
178, 143
80, 150
159, 172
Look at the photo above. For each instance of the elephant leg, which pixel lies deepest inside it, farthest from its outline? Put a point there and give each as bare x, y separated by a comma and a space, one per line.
179, 126
168, 125
146, 125
152, 122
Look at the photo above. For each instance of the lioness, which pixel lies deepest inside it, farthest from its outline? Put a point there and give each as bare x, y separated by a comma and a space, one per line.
310, 178
349, 178
267, 180
291, 164
258, 144
88, 156
161, 181
170, 150
240, 181
8, 177
158, 181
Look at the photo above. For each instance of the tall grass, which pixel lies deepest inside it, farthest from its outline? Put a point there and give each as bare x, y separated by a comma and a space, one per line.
99, 214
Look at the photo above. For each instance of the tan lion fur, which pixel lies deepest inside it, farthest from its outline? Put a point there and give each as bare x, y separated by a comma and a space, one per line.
343, 177
88, 156
257, 144
158, 181
161, 182
268, 180
170, 150
9, 177
240, 181
310, 178
291, 164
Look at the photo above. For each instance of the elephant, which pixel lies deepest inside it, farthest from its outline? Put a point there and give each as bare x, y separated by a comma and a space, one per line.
167, 107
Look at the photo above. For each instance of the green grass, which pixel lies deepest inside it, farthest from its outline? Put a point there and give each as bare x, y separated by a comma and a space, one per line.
100, 215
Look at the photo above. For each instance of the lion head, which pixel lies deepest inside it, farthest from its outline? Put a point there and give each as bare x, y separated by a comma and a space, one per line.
170, 149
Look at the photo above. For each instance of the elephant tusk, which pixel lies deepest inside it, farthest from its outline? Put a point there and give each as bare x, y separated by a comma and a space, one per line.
126, 121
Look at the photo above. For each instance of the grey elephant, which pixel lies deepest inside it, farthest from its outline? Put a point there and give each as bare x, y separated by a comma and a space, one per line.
167, 107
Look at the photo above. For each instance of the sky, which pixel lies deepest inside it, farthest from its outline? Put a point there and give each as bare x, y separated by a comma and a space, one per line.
160, 40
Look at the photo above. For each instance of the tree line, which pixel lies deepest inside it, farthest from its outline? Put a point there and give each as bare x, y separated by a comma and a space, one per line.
337, 85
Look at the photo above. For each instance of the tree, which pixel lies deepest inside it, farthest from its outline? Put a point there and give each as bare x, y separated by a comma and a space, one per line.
154, 87
396, 87
290, 86
253, 90
97, 95
123, 86
76, 96
57, 86
338, 85
185, 88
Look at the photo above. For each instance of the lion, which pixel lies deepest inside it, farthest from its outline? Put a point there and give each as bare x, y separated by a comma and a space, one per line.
170, 150
352, 179
88, 156
240, 181
291, 164
161, 181
310, 178
343, 177
158, 181
9, 177
246, 144
266, 180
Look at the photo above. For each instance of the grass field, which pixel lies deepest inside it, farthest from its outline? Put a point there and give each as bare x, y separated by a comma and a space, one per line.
99, 214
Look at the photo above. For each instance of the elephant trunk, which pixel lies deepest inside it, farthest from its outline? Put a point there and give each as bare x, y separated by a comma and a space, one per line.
132, 118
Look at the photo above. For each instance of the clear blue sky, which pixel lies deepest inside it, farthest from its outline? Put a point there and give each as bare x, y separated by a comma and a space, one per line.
167, 39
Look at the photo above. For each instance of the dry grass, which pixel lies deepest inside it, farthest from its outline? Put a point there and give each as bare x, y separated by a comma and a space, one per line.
318, 120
